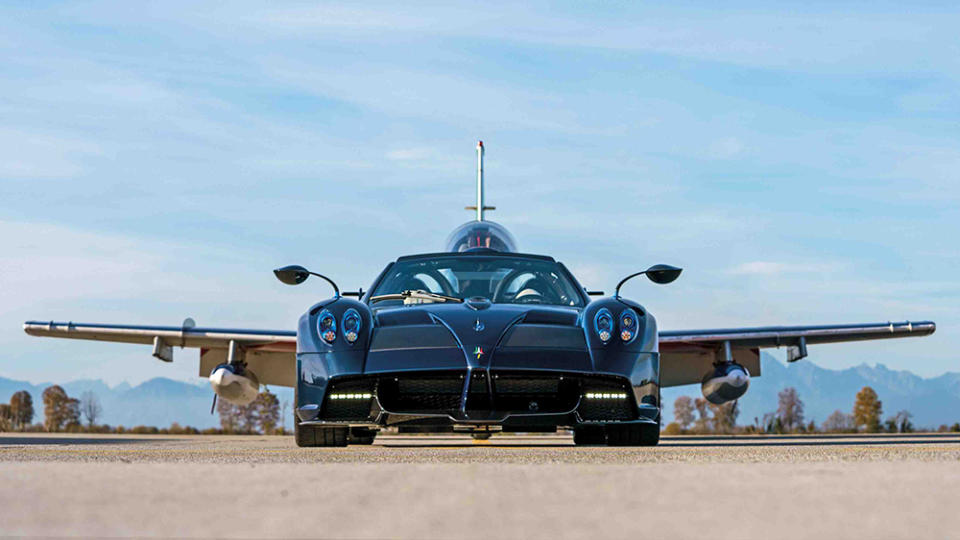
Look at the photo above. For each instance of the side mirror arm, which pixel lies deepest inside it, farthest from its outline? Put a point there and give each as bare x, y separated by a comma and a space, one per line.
616, 293
336, 290
295, 275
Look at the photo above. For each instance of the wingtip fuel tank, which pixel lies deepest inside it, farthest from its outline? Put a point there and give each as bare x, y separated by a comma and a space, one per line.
728, 382
237, 386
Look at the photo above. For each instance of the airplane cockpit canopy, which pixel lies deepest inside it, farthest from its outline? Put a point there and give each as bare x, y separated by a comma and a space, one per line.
481, 234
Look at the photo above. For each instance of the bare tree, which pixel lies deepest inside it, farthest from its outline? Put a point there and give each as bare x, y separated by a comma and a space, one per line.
283, 415
683, 412
259, 416
790, 409
229, 417
725, 416
247, 417
902, 422
90, 407
839, 422
703, 423
267, 412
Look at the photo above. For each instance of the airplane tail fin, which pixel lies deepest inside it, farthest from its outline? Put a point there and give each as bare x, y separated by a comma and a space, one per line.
481, 234
480, 206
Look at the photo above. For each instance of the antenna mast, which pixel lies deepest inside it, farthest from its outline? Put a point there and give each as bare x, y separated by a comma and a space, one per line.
480, 207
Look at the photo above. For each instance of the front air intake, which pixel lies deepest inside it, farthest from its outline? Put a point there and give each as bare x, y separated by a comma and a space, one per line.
603, 400
348, 400
421, 393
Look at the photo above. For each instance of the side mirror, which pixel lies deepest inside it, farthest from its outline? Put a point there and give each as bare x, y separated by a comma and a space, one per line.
292, 275
658, 273
296, 274
663, 273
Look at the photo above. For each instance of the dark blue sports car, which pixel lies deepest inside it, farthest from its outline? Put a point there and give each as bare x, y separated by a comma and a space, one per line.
478, 341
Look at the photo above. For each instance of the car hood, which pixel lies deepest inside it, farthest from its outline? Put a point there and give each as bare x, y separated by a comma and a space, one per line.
477, 335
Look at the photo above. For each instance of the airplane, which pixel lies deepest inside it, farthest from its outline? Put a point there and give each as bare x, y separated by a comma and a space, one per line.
478, 339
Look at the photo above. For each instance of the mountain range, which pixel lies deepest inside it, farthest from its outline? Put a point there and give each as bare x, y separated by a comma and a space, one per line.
156, 402
933, 401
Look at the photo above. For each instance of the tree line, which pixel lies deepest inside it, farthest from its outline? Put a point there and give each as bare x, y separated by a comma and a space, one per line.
700, 416
63, 413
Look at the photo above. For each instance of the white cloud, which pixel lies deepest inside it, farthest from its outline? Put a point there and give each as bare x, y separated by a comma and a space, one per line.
409, 154
768, 268
52, 272
725, 148
815, 39
759, 267
28, 154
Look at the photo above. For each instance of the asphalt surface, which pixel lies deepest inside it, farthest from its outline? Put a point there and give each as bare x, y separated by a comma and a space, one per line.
452, 487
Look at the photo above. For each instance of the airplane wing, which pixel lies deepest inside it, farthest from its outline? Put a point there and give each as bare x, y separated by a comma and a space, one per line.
686, 355
271, 354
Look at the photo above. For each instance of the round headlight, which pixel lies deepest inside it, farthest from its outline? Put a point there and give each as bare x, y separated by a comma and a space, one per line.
603, 324
628, 325
351, 325
327, 326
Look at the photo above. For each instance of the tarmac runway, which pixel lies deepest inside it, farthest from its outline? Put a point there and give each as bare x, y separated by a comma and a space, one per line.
888, 486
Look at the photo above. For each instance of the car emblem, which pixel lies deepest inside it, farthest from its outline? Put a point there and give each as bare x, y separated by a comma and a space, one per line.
478, 352
479, 326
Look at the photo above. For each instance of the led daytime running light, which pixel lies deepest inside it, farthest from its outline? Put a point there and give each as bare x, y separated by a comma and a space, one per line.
351, 396
606, 395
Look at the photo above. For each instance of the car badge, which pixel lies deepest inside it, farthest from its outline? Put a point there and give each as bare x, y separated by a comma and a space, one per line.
479, 326
478, 352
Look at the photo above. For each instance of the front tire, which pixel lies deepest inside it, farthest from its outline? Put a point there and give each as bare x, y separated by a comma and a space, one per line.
362, 436
633, 435
312, 436
589, 435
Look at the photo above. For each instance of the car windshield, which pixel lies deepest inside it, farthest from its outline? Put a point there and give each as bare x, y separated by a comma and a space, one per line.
502, 280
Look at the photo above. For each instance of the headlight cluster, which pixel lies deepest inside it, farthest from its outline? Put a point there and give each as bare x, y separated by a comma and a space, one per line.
628, 325
327, 326
603, 323
350, 323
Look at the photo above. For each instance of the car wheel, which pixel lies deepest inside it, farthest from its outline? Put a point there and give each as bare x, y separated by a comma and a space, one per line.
589, 435
310, 436
362, 436
633, 435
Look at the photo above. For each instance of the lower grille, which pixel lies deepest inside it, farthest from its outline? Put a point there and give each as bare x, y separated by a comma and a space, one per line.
535, 394
601, 399
437, 394
348, 400
607, 400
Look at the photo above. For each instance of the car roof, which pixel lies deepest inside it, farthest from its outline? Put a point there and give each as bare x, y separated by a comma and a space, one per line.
476, 253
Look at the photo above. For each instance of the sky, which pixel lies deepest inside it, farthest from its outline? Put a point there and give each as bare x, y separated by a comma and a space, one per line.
157, 160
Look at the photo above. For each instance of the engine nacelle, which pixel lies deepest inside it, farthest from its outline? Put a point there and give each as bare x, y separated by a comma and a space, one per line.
236, 385
725, 383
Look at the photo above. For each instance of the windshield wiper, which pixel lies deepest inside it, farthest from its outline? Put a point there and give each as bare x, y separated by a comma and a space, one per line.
416, 295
